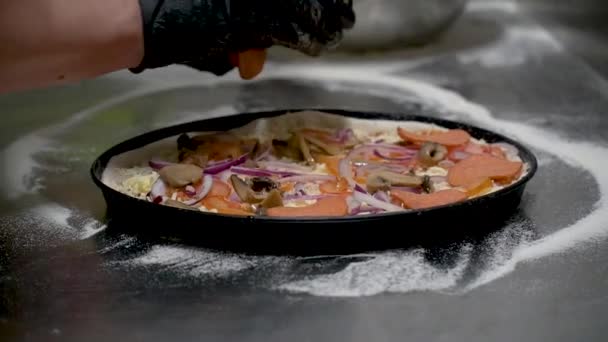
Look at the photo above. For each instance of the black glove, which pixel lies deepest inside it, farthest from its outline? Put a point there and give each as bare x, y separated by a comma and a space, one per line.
201, 33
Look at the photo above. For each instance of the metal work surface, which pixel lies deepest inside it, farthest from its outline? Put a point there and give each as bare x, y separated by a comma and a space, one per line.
65, 276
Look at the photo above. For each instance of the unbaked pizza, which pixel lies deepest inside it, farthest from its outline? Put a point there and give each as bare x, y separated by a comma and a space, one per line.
314, 164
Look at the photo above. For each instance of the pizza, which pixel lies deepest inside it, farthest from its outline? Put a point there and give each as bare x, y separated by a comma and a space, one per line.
315, 164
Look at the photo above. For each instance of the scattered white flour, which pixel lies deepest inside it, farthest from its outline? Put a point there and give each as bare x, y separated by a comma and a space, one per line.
388, 272
19, 166
69, 223
196, 262
122, 242
91, 228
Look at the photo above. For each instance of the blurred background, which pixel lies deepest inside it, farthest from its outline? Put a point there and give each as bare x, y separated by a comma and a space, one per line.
581, 26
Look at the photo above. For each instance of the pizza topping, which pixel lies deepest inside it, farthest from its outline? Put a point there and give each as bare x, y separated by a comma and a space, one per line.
394, 155
219, 189
423, 201
328, 148
179, 175
177, 204
272, 199
365, 198
224, 206
289, 149
262, 184
324, 207
384, 180
202, 191
432, 153
479, 167
304, 149
453, 137
158, 191
325, 172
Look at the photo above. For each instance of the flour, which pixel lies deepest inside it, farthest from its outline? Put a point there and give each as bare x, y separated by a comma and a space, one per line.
19, 166
390, 272
55, 218
197, 262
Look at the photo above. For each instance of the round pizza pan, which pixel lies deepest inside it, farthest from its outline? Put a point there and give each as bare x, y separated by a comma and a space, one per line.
259, 234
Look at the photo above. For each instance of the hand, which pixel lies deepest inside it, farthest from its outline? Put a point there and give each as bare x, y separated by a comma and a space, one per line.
211, 35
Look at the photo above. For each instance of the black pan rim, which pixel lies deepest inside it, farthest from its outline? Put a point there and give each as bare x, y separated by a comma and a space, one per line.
100, 163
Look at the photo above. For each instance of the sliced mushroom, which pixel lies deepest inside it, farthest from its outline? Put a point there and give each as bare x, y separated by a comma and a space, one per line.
432, 153
180, 175
288, 149
263, 184
273, 199
259, 190
383, 180
244, 191
194, 158
427, 185
328, 148
177, 204
304, 148
258, 150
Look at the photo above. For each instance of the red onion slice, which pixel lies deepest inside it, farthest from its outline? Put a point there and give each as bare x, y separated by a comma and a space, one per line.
346, 172
190, 190
403, 157
264, 155
344, 135
366, 210
307, 178
283, 166
158, 191
203, 191
225, 165
247, 171
352, 204
374, 202
383, 196
368, 150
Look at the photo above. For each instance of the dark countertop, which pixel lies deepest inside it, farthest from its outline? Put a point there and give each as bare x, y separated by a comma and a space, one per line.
541, 277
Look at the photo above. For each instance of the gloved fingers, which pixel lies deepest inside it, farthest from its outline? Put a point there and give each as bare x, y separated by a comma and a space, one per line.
219, 64
311, 26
